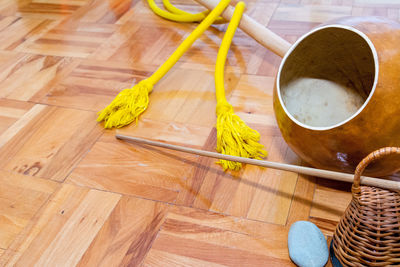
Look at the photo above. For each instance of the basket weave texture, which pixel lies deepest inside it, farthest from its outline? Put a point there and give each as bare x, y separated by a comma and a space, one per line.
368, 234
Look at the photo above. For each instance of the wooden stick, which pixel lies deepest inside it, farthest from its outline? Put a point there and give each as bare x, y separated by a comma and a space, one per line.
338, 176
261, 34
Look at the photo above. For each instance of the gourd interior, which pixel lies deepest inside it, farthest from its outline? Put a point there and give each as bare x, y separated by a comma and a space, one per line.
327, 77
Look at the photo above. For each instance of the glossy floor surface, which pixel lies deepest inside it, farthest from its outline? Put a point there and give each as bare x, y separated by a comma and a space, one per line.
71, 194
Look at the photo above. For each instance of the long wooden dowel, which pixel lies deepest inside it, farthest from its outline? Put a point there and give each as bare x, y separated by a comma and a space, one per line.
338, 176
261, 34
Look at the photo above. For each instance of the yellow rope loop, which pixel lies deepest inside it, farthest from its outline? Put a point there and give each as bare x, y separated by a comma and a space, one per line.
234, 137
173, 9
175, 14
171, 16
198, 16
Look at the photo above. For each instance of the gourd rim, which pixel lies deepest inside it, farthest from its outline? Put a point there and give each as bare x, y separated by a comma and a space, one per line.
293, 47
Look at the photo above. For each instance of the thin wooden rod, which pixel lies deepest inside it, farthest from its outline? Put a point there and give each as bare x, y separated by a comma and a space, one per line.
338, 176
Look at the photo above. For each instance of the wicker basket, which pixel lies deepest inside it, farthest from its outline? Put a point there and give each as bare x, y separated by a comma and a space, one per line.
368, 234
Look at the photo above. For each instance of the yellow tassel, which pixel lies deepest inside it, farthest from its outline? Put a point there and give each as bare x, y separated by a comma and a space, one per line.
127, 106
235, 138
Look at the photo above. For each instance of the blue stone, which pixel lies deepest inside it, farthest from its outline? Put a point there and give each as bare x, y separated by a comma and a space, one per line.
307, 245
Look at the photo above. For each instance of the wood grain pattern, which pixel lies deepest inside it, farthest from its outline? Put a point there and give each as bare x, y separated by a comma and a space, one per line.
91, 85
17, 31
70, 40
119, 167
212, 253
11, 112
33, 113
158, 258
41, 149
302, 200
273, 197
311, 13
204, 235
127, 235
73, 195
76, 218
20, 198
330, 202
30, 75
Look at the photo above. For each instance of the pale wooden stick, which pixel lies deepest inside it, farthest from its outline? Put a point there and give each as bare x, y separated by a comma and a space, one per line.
338, 176
261, 34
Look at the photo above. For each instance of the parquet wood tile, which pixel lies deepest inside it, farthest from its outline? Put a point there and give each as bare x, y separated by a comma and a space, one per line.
253, 193
203, 236
291, 30
49, 9
51, 143
90, 85
127, 235
191, 94
172, 132
30, 75
10, 112
310, 13
166, 40
20, 198
76, 217
71, 40
251, 99
22, 122
8, 61
73, 195
113, 45
212, 253
55, 9
273, 195
20, 30
102, 12
162, 258
223, 222
302, 199
189, 100
116, 166
329, 203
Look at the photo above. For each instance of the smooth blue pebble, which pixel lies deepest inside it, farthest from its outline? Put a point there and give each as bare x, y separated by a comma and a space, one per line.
307, 245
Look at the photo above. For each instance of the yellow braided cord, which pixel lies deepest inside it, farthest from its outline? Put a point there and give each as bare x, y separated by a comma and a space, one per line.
199, 16
173, 9
234, 137
178, 17
184, 46
130, 103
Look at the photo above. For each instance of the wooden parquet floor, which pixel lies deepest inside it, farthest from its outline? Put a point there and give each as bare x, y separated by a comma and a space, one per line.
73, 195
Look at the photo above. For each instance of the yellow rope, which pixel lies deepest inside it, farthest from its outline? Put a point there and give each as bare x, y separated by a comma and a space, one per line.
176, 16
196, 17
130, 103
171, 8
234, 137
